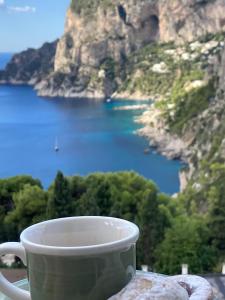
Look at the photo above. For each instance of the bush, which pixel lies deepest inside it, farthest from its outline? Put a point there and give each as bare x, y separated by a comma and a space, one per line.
87, 7
186, 242
189, 105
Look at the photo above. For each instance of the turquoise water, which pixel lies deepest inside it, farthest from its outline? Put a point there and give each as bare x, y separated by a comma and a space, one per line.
92, 137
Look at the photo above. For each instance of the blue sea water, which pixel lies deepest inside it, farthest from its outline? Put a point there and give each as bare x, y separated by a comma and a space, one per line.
92, 137
4, 59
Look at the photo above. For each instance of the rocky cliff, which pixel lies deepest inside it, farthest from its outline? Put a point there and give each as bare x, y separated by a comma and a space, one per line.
188, 122
187, 20
30, 66
99, 38
100, 35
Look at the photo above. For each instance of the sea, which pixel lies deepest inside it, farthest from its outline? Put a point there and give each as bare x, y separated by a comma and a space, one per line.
92, 136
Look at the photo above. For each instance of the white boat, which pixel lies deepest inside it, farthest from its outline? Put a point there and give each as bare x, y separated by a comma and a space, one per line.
108, 100
56, 145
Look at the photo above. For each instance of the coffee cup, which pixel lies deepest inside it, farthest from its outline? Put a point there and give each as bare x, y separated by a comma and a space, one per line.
82, 258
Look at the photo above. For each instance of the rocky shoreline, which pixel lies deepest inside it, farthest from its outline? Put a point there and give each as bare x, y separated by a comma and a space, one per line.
156, 131
138, 96
171, 146
132, 107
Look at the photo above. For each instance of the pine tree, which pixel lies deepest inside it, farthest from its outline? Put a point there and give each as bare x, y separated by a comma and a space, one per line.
60, 200
216, 215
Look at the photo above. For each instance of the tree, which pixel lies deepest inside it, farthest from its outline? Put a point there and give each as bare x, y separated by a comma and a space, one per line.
13, 185
29, 208
8, 187
185, 242
60, 200
152, 221
124, 195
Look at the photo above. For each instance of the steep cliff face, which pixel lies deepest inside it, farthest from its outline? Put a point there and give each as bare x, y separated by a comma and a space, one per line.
114, 32
187, 20
30, 66
221, 73
97, 38
93, 44
100, 35
125, 26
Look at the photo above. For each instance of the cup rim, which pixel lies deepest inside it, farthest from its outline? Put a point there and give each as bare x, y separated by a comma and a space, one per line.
80, 250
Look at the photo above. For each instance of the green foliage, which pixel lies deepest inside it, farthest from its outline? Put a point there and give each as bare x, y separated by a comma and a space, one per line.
8, 187
139, 74
152, 219
29, 208
59, 202
12, 185
189, 105
87, 7
219, 36
216, 214
185, 242
208, 200
172, 230
125, 195
109, 67
211, 186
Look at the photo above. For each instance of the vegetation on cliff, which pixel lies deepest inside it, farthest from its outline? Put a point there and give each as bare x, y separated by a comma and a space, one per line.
188, 82
88, 7
161, 70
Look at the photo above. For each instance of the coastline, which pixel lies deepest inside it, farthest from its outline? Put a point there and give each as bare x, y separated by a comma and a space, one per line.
135, 96
104, 135
155, 130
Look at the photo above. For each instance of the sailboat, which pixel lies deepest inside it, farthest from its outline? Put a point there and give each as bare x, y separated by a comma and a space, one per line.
56, 145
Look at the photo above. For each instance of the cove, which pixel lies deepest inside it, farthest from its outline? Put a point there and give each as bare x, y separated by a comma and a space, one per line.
92, 137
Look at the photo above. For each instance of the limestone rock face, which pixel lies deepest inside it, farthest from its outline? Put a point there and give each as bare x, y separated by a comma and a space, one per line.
222, 74
129, 25
96, 41
118, 30
187, 20
113, 32
89, 42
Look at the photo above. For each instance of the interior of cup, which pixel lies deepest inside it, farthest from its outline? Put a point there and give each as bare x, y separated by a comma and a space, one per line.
79, 232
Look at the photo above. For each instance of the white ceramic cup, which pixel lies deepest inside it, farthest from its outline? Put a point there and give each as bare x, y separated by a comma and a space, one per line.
74, 258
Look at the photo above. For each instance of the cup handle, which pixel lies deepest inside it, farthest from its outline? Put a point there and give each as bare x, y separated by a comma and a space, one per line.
7, 288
